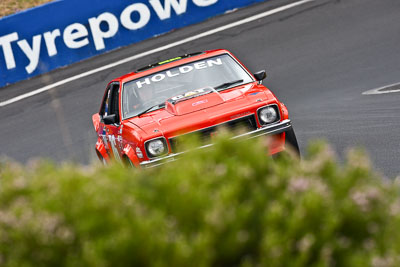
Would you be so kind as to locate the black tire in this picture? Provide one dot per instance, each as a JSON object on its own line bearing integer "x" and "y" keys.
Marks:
{"x": 292, "y": 141}
{"x": 101, "y": 158}
{"x": 128, "y": 163}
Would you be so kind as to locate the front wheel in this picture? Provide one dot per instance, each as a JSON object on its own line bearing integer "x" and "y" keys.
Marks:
{"x": 128, "y": 163}
{"x": 101, "y": 158}
{"x": 292, "y": 141}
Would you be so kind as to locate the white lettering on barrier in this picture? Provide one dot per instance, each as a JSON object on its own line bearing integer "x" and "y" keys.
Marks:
{"x": 73, "y": 33}
{"x": 98, "y": 34}
{"x": 32, "y": 53}
{"x": 165, "y": 12}
{"x": 76, "y": 35}
{"x": 203, "y": 3}
{"x": 50, "y": 40}
{"x": 5, "y": 43}
{"x": 144, "y": 16}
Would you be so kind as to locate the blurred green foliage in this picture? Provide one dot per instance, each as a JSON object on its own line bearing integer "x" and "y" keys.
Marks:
{"x": 229, "y": 205}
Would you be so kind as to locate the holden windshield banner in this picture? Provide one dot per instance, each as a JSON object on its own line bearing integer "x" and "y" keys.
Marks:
{"x": 63, "y": 32}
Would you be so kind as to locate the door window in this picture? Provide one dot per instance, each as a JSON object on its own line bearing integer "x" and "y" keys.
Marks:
{"x": 110, "y": 104}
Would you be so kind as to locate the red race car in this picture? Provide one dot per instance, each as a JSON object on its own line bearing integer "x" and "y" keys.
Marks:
{"x": 144, "y": 113}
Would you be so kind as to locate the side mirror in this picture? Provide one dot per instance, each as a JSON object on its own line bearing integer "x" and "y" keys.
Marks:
{"x": 261, "y": 75}
{"x": 111, "y": 119}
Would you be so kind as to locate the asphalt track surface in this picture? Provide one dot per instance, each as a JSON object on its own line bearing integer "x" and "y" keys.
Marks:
{"x": 320, "y": 57}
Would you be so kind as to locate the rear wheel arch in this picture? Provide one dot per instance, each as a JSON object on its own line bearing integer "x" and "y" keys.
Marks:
{"x": 101, "y": 158}
{"x": 101, "y": 151}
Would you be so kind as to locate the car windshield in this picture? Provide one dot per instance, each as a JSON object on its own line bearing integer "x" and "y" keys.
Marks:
{"x": 150, "y": 92}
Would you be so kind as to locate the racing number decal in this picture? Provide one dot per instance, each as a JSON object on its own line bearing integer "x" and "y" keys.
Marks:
{"x": 113, "y": 144}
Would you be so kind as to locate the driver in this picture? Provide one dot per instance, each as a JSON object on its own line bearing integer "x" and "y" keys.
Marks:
{"x": 144, "y": 95}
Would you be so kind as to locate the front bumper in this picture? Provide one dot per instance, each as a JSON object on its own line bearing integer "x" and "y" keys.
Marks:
{"x": 276, "y": 128}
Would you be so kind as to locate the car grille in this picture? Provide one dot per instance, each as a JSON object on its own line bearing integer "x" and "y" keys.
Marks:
{"x": 247, "y": 123}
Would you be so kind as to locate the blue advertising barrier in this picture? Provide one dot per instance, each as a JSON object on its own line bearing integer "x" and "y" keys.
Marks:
{"x": 62, "y": 32}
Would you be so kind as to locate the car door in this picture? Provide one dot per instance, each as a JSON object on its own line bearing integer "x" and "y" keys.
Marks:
{"x": 110, "y": 125}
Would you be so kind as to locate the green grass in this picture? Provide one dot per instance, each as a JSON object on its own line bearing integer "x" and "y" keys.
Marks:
{"x": 8, "y": 7}
{"x": 226, "y": 206}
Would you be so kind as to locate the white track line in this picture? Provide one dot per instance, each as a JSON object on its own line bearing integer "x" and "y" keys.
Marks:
{"x": 378, "y": 91}
{"x": 162, "y": 48}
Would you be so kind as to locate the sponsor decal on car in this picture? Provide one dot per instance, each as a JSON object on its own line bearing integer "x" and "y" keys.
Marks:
{"x": 178, "y": 71}
{"x": 191, "y": 94}
{"x": 200, "y": 102}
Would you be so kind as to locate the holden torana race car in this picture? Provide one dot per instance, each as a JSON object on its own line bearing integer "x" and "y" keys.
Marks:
{"x": 144, "y": 113}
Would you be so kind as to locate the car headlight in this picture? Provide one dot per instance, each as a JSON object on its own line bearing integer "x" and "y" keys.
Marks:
{"x": 156, "y": 147}
{"x": 268, "y": 115}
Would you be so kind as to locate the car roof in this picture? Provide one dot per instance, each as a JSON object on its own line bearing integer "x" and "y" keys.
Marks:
{"x": 169, "y": 63}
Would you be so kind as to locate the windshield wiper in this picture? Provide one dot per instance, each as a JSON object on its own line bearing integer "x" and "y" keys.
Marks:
{"x": 155, "y": 107}
{"x": 225, "y": 85}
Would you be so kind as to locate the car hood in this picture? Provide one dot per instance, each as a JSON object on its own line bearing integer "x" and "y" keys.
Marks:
{"x": 202, "y": 111}
{"x": 198, "y": 100}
